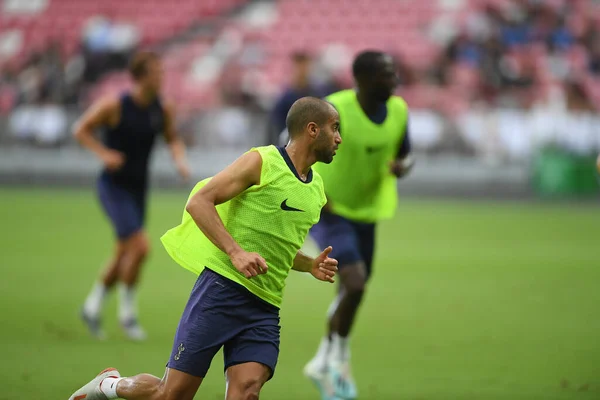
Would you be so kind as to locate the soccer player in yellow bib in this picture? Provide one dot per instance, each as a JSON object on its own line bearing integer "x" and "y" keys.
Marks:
{"x": 361, "y": 190}
{"x": 241, "y": 232}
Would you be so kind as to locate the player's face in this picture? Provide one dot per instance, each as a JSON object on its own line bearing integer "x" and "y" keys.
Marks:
{"x": 385, "y": 80}
{"x": 328, "y": 139}
{"x": 153, "y": 79}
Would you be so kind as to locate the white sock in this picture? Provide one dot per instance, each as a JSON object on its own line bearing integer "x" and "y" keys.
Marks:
{"x": 127, "y": 306}
{"x": 340, "y": 349}
{"x": 95, "y": 300}
{"x": 108, "y": 386}
{"x": 333, "y": 306}
{"x": 320, "y": 359}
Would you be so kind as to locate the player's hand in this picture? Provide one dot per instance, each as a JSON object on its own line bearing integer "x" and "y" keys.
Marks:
{"x": 249, "y": 264}
{"x": 113, "y": 160}
{"x": 598, "y": 163}
{"x": 401, "y": 167}
{"x": 325, "y": 268}
{"x": 184, "y": 170}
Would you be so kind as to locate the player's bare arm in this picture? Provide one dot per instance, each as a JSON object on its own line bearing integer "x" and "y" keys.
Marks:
{"x": 105, "y": 112}
{"x": 322, "y": 267}
{"x": 176, "y": 145}
{"x": 226, "y": 185}
{"x": 598, "y": 163}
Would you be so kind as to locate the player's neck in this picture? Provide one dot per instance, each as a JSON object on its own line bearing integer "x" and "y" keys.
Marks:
{"x": 301, "y": 158}
{"x": 142, "y": 97}
{"x": 368, "y": 105}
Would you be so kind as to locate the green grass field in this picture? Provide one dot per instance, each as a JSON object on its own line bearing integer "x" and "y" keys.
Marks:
{"x": 473, "y": 301}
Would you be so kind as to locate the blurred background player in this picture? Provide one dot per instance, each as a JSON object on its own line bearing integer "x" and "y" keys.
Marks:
{"x": 246, "y": 225}
{"x": 361, "y": 190}
{"x": 130, "y": 124}
{"x": 300, "y": 86}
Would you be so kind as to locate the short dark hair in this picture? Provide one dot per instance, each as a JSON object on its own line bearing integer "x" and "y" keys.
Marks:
{"x": 138, "y": 65}
{"x": 366, "y": 63}
{"x": 304, "y": 111}
{"x": 300, "y": 56}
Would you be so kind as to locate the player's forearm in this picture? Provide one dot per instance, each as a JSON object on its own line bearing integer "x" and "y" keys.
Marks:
{"x": 302, "y": 262}
{"x": 177, "y": 151}
{"x": 205, "y": 215}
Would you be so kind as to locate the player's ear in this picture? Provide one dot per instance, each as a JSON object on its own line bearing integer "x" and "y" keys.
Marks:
{"x": 313, "y": 129}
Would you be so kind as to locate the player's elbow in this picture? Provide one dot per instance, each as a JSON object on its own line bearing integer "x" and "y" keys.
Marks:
{"x": 196, "y": 204}
{"x": 78, "y": 131}
{"x": 191, "y": 206}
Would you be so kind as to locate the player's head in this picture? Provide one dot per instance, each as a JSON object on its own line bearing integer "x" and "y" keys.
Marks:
{"x": 301, "y": 62}
{"x": 146, "y": 70}
{"x": 375, "y": 74}
{"x": 317, "y": 122}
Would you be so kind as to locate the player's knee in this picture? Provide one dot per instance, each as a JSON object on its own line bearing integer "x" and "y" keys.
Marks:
{"x": 142, "y": 246}
{"x": 246, "y": 389}
{"x": 169, "y": 393}
{"x": 355, "y": 289}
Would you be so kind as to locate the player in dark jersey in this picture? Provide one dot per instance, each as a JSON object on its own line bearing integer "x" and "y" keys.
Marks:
{"x": 361, "y": 188}
{"x": 130, "y": 124}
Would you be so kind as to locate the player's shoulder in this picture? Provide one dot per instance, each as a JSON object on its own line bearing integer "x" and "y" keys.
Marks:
{"x": 110, "y": 102}
{"x": 264, "y": 151}
{"x": 398, "y": 100}
{"x": 341, "y": 98}
{"x": 398, "y": 104}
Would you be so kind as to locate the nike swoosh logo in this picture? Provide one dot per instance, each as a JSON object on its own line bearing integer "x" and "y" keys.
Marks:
{"x": 372, "y": 149}
{"x": 285, "y": 207}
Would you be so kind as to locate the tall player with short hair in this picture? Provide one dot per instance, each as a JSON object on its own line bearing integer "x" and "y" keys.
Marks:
{"x": 241, "y": 232}
{"x": 361, "y": 190}
{"x": 130, "y": 124}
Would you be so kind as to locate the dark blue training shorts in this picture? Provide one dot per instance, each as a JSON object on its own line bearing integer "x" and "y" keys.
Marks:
{"x": 125, "y": 207}
{"x": 222, "y": 313}
{"x": 351, "y": 241}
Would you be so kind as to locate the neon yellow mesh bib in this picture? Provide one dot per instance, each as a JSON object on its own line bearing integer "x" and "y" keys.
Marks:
{"x": 271, "y": 219}
{"x": 359, "y": 182}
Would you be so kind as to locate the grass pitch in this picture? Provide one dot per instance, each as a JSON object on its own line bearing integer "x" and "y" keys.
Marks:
{"x": 473, "y": 301}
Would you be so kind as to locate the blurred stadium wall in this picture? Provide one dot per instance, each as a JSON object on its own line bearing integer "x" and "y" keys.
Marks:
{"x": 504, "y": 94}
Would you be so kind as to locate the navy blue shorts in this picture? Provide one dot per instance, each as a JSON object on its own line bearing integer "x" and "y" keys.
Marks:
{"x": 125, "y": 207}
{"x": 222, "y": 313}
{"x": 351, "y": 241}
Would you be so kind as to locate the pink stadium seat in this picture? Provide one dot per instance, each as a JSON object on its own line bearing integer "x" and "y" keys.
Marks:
{"x": 64, "y": 19}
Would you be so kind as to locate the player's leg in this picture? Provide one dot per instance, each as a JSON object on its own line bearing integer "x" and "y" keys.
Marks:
{"x": 199, "y": 336}
{"x": 94, "y": 302}
{"x": 136, "y": 249}
{"x": 250, "y": 357}
{"x": 244, "y": 381}
{"x": 344, "y": 237}
{"x": 175, "y": 385}
{"x": 111, "y": 199}
{"x": 353, "y": 282}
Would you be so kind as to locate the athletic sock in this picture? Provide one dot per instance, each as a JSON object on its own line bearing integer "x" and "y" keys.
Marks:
{"x": 95, "y": 300}
{"x": 340, "y": 349}
{"x": 108, "y": 386}
{"x": 127, "y": 304}
{"x": 320, "y": 358}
